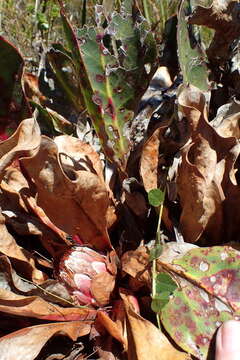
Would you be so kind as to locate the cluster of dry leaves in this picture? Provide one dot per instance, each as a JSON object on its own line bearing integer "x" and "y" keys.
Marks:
{"x": 54, "y": 194}
{"x": 53, "y": 188}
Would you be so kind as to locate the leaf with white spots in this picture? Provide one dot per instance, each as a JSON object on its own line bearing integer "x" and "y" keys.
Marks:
{"x": 191, "y": 317}
{"x": 208, "y": 294}
{"x": 110, "y": 65}
{"x": 217, "y": 270}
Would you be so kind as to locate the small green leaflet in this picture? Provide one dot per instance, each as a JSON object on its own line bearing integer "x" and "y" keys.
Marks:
{"x": 156, "y": 197}
{"x": 155, "y": 252}
{"x": 165, "y": 283}
{"x": 159, "y": 301}
{"x": 164, "y": 287}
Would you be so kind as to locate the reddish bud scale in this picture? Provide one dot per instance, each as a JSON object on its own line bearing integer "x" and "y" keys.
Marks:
{"x": 78, "y": 268}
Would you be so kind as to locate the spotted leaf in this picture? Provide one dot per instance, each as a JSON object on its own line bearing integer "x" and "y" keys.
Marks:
{"x": 113, "y": 66}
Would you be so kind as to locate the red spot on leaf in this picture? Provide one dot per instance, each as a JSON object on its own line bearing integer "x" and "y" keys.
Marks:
{"x": 207, "y": 324}
{"x": 110, "y": 109}
{"x": 175, "y": 319}
{"x": 99, "y": 37}
{"x": 195, "y": 260}
{"x": 184, "y": 309}
{"x": 177, "y": 301}
{"x": 178, "y": 336}
{"x": 202, "y": 340}
{"x": 100, "y": 78}
{"x": 231, "y": 260}
{"x": 190, "y": 324}
{"x": 97, "y": 99}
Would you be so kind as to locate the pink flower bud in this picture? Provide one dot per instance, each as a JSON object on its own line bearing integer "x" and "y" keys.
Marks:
{"x": 89, "y": 276}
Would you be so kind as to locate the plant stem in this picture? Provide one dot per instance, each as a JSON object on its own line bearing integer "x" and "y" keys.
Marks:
{"x": 84, "y": 12}
{"x": 158, "y": 235}
{"x": 154, "y": 263}
{"x": 154, "y": 274}
{"x": 51, "y": 294}
{"x": 146, "y": 12}
{"x": 162, "y": 11}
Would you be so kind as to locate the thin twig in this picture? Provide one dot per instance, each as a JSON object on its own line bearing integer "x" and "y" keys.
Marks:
{"x": 50, "y": 293}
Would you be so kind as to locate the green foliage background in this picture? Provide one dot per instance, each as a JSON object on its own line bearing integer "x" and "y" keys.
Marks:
{"x": 32, "y": 24}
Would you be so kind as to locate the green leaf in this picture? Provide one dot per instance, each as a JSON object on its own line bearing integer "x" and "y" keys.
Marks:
{"x": 155, "y": 252}
{"x": 216, "y": 269}
{"x": 52, "y": 123}
{"x": 109, "y": 65}
{"x": 192, "y": 58}
{"x": 164, "y": 286}
{"x": 63, "y": 68}
{"x": 159, "y": 301}
{"x": 108, "y": 6}
{"x": 164, "y": 283}
{"x": 191, "y": 318}
{"x": 11, "y": 66}
{"x": 42, "y": 21}
{"x": 208, "y": 294}
{"x": 156, "y": 197}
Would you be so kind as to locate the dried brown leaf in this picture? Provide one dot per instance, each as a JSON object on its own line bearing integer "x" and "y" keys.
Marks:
{"x": 23, "y": 142}
{"x": 23, "y": 260}
{"x": 70, "y": 191}
{"x": 113, "y": 328}
{"x": 136, "y": 264}
{"x": 207, "y": 165}
{"x": 20, "y": 210}
{"x": 100, "y": 293}
{"x": 202, "y": 200}
{"x": 36, "y": 307}
{"x": 222, "y": 16}
{"x": 144, "y": 338}
{"x": 150, "y": 161}
{"x": 27, "y": 343}
{"x": 14, "y": 186}
{"x": 227, "y": 120}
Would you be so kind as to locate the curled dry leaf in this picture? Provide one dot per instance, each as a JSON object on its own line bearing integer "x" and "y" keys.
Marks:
{"x": 222, "y": 16}
{"x": 22, "y": 259}
{"x": 157, "y": 150}
{"x": 114, "y": 328}
{"x": 36, "y": 307}
{"x": 19, "y": 209}
{"x": 50, "y": 290}
{"x": 15, "y": 187}
{"x": 136, "y": 264}
{"x": 206, "y": 163}
{"x": 144, "y": 338}
{"x": 10, "y": 279}
{"x": 109, "y": 332}
{"x": 28, "y": 342}
{"x": 70, "y": 188}
{"x": 150, "y": 162}
{"x": 23, "y": 142}
{"x": 227, "y": 120}
{"x": 201, "y": 201}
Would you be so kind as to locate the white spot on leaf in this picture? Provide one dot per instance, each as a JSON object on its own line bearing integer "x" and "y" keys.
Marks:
{"x": 223, "y": 255}
{"x": 213, "y": 279}
{"x": 203, "y": 266}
